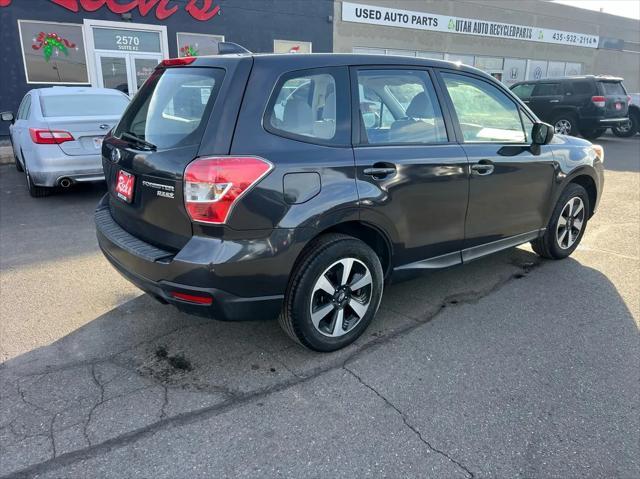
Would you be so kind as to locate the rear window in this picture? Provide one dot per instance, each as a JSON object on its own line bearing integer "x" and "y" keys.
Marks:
{"x": 173, "y": 107}
{"x": 612, "y": 88}
{"x": 583, "y": 88}
{"x": 83, "y": 105}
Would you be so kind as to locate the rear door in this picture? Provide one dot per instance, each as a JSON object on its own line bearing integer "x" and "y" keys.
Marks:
{"x": 412, "y": 176}
{"x": 160, "y": 133}
{"x": 616, "y": 101}
{"x": 510, "y": 184}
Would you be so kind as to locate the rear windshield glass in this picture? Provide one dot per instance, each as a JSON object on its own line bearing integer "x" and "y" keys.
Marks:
{"x": 173, "y": 106}
{"x": 83, "y": 105}
{"x": 612, "y": 88}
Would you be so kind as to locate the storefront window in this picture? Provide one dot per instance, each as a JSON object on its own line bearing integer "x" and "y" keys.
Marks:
{"x": 196, "y": 44}
{"x": 289, "y": 46}
{"x": 53, "y": 52}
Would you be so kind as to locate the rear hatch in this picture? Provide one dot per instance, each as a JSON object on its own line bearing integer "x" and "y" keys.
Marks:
{"x": 616, "y": 100}
{"x": 87, "y": 117}
{"x": 180, "y": 113}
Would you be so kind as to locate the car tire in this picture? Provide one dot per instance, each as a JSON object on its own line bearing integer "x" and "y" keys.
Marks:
{"x": 565, "y": 124}
{"x": 318, "y": 298}
{"x": 593, "y": 134}
{"x": 18, "y": 165}
{"x": 34, "y": 190}
{"x": 630, "y": 129}
{"x": 562, "y": 235}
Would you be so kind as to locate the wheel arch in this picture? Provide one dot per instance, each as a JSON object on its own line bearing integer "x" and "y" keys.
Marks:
{"x": 589, "y": 184}
{"x": 369, "y": 234}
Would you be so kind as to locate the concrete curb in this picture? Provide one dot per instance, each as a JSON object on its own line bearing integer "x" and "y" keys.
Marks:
{"x": 6, "y": 155}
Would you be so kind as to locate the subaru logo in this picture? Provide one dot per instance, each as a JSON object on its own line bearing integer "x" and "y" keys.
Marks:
{"x": 104, "y": 126}
{"x": 115, "y": 155}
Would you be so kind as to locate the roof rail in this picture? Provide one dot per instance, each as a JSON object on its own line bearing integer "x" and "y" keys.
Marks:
{"x": 228, "y": 48}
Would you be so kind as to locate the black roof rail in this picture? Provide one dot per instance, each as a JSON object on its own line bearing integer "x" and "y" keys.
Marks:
{"x": 228, "y": 48}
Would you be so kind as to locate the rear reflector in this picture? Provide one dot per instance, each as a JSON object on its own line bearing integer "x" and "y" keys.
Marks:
{"x": 213, "y": 185}
{"x": 174, "y": 62}
{"x": 49, "y": 137}
{"x": 598, "y": 101}
{"x": 192, "y": 298}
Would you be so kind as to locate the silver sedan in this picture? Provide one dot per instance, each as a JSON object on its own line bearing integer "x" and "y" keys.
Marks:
{"x": 57, "y": 134}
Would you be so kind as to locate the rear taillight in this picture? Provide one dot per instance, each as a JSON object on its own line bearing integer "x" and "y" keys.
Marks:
{"x": 629, "y": 99}
{"x": 174, "y": 62}
{"x": 213, "y": 185}
{"x": 49, "y": 137}
{"x": 598, "y": 101}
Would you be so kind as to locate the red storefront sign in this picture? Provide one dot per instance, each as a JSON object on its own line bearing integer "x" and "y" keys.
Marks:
{"x": 202, "y": 10}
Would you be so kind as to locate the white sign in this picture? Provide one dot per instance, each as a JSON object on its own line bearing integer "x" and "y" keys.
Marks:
{"x": 393, "y": 17}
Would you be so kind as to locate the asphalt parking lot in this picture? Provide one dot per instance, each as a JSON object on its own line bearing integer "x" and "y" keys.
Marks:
{"x": 509, "y": 366}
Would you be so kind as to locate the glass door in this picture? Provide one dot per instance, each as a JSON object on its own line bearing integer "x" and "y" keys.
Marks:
{"x": 114, "y": 71}
{"x": 142, "y": 67}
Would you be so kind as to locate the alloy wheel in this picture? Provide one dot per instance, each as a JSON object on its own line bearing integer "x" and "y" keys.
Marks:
{"x": 341, "y": 297}
{"x": 570, "y": 223}
{"x": 563, "y": 127}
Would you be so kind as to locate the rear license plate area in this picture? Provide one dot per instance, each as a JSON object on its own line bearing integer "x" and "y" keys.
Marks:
{"x": 124, "y": 186}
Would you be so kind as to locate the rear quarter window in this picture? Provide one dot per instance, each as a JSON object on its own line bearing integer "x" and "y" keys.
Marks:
{"x": 311, "y": 106}
{"x": 173, "y": 106}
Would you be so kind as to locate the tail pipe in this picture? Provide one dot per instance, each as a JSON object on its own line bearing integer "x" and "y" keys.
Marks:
{"x": 65, "y": 182}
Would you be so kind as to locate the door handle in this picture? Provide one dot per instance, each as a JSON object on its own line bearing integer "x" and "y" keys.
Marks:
{"x": 554, "y": 101}
{"x": 483, "y": 168}
{"x": 378, "y": 172}
{"x": 525, "y": 101}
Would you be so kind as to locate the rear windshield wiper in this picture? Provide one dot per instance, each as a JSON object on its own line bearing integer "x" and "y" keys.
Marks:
{"x": 139, "y": 141}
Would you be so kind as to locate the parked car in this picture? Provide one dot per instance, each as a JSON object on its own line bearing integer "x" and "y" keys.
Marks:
{"x": 632, "y": 126}
{"x": 585, "y": 105}
{"x": 226, "y": 206}
{"x": 57, "y": 134}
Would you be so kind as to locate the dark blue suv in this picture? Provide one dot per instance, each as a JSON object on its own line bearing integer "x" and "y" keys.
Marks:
{"x": 294, "y": 186}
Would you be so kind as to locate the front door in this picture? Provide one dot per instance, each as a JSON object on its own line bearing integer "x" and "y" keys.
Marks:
{"x": 412, "y": 177}
{"x": 545, "y": 99}
{"x": 510, "y": 183}
{"x": 125, "y": 71}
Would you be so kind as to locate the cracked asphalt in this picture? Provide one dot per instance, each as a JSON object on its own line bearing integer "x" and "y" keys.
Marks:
{"x": 509, "y": 366}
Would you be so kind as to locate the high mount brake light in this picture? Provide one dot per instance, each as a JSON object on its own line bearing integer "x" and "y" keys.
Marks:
{"x": 213, "y": 185}
{"x": 598, "y": 101}
{"x": 174, "y": 62}
{"x": 43, "y": 136}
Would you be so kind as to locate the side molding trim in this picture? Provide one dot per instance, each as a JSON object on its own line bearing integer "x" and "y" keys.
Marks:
{"x": 479, "y": 251}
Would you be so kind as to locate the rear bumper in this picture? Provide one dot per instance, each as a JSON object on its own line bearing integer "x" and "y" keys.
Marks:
{"x": 195, "y": 270}
{"x": 49, "y": 164}
{"x": 602, "y": 122}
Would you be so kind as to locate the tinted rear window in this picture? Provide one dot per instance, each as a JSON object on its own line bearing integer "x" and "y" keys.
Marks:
{"x": 612, "y": 88}
{"x": 173, "y": 106}
{"x": 83, "y": 105}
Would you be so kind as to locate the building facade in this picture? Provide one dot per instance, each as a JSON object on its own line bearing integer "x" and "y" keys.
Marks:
{"x": 512, "y": 40}
{"x": 117, "y": 43}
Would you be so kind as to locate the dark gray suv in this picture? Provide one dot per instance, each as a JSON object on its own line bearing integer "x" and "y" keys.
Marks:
{"x": 585, "y": 105}
{"x": 295, "y": 186}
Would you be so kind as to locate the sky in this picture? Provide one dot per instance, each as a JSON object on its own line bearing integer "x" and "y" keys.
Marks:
{"x": 623, "y": 8}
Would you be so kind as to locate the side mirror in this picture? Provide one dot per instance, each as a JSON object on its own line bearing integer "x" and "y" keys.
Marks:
{"x": 7, "y": 116}
{"x": 541, "y": 133}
